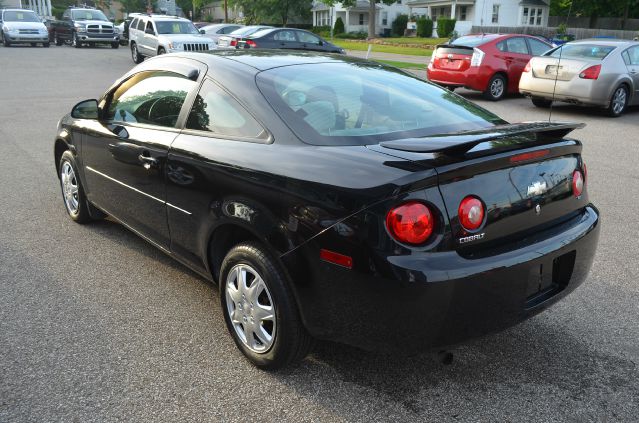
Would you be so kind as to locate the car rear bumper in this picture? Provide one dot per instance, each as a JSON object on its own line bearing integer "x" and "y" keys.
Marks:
{"x": 474, "y": 78}
{"x": 577, "y": 90}
{"x": 426, "y": 300}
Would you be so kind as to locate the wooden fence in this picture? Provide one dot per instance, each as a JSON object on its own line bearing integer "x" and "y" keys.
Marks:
{"x": 579, "y": 33}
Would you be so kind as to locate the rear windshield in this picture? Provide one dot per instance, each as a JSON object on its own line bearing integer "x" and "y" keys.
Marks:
{"x": 20, "y": 16}
{"x": 582, "y": 51}
{"x": 473, "y": 40}
{"x": 176, "y": 27}
{"x": 361, "y": 103}
{"x": 88, "y": 15}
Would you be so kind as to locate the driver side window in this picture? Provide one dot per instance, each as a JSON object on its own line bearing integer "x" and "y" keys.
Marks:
{"x": 152, "y": 98}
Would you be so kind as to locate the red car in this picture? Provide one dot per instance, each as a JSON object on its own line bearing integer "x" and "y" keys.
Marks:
{"x": 490, "y": 63}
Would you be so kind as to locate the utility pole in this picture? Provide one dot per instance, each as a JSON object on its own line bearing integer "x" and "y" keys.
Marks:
{"x": 226, "y": 11}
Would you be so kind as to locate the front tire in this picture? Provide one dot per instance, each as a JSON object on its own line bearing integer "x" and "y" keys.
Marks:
{"x": 135, "y": 55}
{"x": 57, "y": 41}
{"x": 618, "y": 102}
{"x": 161, "y": 51}
{"x": 259, "y": 308}
{"x": 75, "y": 42}
{"x": 541, "y": 102}
{"x": 46, "y": 45}
{"x": 496, "y": 89}
{"x": 6, "y": 42}
{"x": 75, "y": 200}
{"x": 115, "y": 44}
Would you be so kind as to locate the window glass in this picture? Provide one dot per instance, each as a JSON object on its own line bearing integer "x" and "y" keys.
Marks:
{"x": 474, "y": 40}
{"x": 308, "y": 38}
{"x": 149, "y": 25}
{"x": 229, "y": 29}
{"x": 582, "y": 51}
{"x": 88, "y": 15}
{"x": 633, "y": 56}
{"x": 357, "y": 104}
{"x": 284, "y": 36}
{"x": 214, "y": 110}
{"x": 13, "y": 16}
{"x": 141, "y": 25}
{"x": 176, "y": 27}
{"x": 501, "y": 46}
{"x": 134, "y": 23}
{"x": 495, "y": 17}
{"x": 538, "y": 48}
{"x": 517, "y": 45}
{"x": 153, "y": 98}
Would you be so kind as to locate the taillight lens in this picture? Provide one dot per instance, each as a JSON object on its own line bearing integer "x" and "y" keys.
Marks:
{"x": 528, "y": 67}
{"x": 471, "y": 213}
{"x": 410, "y": 223}
{"x": 577, "y": 183}
{"x": 591, "y": 73}
{"x": 251, "y": 43}
{"x": 233, "y": 43}
{"x": 477, "y": 58}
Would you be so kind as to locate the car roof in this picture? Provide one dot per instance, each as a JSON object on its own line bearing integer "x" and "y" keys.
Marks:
{"x": 266, "y": 59}
{"x": 604, "y": 42}
{"x": 166, "y": 18}
{"x": 16, "y": 10}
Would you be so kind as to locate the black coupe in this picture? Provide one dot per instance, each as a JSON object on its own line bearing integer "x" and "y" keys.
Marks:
{"x": 334, "y": 198}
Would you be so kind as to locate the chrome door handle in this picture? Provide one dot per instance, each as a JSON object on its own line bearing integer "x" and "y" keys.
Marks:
{"x": 148, "y": 162}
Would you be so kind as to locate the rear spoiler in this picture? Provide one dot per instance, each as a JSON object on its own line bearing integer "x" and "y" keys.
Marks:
{"x": 459, "y": 143}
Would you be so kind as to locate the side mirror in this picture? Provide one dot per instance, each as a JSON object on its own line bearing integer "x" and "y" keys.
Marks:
{"x": 87, "y": 109}
{"x": 202, "y": 31}
{"x": 149, "y": 31}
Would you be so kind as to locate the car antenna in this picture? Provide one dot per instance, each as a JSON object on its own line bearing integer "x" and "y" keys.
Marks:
{"x": 561, "y": 50}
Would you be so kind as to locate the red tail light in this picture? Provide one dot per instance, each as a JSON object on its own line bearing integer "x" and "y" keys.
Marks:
{"x": 410, "y": 223}
{"x": 471, "y": 213}
{"x": 577, "y": 183}
{"x": 591, "y": 73}
{"x": 233, "y": 42}
{"x": 251, "y": 43}
{"x": 528, "y": 66}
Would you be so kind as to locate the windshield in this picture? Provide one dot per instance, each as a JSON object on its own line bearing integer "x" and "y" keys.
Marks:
{"x": 248, "y": 30}
{"x": 88, "y": 15}
{"x": 582, "y": 51}
{"x": 473, "y": 40}
{"x": 362, "y": 103}
{"x": 19, "y": 16}
{"x": 176, "y": 27}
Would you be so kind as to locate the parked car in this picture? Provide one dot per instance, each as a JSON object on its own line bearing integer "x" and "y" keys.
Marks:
{"x": 22, "y": 26}
{"x": 215, "y": 31}
{"x": 230, "y": 40}
{"x": 333, "y": 198}
{"x": 289, "y": 39}
{"x": 490, "y": 63}
{"x": 80, "y": 26}
{"x": 602, "y": 73}
{"x": 152, "y": 35}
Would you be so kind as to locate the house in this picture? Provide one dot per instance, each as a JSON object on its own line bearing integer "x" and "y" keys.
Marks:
{"x": 355, "y": 18}
{"x": 487, "y": 13}
{"x": 215, "y": 10}
{"x": 41, "y": 7}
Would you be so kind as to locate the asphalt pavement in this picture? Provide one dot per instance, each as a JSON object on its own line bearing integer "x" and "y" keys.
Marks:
{"x": 98, "y": 325}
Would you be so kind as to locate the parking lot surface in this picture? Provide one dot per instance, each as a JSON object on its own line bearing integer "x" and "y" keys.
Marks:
{"x": 98, "y": 325}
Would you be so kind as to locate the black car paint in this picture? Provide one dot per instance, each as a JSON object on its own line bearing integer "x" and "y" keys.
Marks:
{"x": 266, "y": 40}
{"x": 221, "y": 191}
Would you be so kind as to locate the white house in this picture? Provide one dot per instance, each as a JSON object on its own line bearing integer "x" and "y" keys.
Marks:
{"x": 491, "y": 13}
{"x": 356, "y": 18}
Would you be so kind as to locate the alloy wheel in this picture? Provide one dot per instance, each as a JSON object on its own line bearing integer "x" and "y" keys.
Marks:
{"x": 69, "y": 188}
{"x": 250, "y": 307}
{"x": 619, "y": 99}
{"x": 497, "y": 87}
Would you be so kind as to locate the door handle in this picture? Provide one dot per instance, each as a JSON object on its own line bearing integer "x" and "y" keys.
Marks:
{"x": 147, "y": 161}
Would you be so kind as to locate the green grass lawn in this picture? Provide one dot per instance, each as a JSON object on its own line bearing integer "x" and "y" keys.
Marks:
{"x": 415, "y": 40}
{"x": 379, "y": 48}
{"x": 402, "y": 65}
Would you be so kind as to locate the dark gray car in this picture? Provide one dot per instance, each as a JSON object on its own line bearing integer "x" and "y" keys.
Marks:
{"x": 288, "y": 38}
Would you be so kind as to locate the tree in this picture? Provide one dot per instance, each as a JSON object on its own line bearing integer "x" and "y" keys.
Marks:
{"x": 281, "y": 11}
{"x": 339, "y": 26}
{"x": 130, "y": 6}
{"x": 371, "y": 10}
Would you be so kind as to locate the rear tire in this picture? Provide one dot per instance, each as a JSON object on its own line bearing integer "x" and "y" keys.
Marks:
{"x": 257, "y": 300}
{"x": 57, "y": 41}
{"x": 34, "y": 44}
{"x": 541, "y": 102}
{"x": 46, "y": 45}
{"x": 135, "y": 55}
{"x": 618, "y": 101}
{"x": 496, "y": 89}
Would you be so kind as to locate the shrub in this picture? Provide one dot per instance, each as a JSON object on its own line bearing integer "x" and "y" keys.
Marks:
{"x": 424, "y": 27}
{"x": 318, "y": 29}
{"x": 445, "y": 27}
{"x": 399, "y": 25}
{"x": 353, "y": 36}
{"x": 339, "y": 26}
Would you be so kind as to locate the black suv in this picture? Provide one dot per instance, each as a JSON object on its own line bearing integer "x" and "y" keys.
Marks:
{"x": 81, "y": 26}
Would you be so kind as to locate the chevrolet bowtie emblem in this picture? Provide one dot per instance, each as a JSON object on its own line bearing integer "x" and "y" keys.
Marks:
{"x": 537, "y": 188}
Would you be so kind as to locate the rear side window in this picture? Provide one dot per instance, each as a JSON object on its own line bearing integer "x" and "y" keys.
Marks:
{"x": 284, "y": 36}
{"x": 214, "y": 110}
{"x": 631, "y": 56}
{"x": 517, "y": 45}
{"x": 141, "y": 25}
{"x": 583, "y": 51}
{"x": 134, "y": 23}
{"x": 151, "y": 98}
{"x": 537, "y": 47}
{"x": 360, "y": 103}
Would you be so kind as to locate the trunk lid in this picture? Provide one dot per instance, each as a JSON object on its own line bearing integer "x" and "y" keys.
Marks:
{"x": 452, "y": 58}
{"x": 523, "y": 179}
{"x": 550, "y": 67}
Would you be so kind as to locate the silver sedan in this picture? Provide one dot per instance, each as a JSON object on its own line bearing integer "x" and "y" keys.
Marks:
{"x": 215, "y": 31}
{"x": 603, "y": 73}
